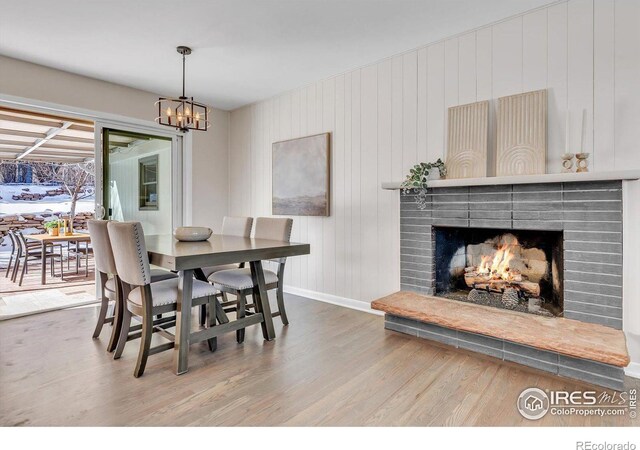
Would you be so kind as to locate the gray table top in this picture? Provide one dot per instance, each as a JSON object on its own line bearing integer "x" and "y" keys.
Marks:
{"x": 165, "y": 251}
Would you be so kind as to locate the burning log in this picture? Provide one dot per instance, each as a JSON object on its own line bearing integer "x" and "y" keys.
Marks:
{"x": 490, "y": 282}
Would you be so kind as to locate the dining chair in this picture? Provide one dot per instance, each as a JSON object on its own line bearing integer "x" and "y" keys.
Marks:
{"x": 145, "y": 299}
{"x": 231, "y": 226}
{"x": 239, "y": 282}
{"x": 12, "y": 259}
{"x": 30, "y": 253}
{"x": 16, "y": 253}
{"x": 109, "y": 288}
{"x": 79, "y": 252}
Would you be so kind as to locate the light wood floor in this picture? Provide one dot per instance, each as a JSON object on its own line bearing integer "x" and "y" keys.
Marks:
{"x": 331, "y": 366}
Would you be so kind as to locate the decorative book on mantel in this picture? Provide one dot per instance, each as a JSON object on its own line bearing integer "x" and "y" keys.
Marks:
{"x": 522, "y": 134}
{"x": 468, "y": 134}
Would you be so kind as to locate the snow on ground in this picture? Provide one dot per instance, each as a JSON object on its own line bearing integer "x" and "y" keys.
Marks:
{"x": 55, "y": 203}
{"x": 84, "y": 205}
{"x": 45, "y": 207}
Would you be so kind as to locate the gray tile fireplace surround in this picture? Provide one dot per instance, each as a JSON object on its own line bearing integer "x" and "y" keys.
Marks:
{"x": 590, "y": 216}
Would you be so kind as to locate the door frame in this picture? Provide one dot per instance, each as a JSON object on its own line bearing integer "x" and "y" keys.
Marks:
{"x": 177, "y": 158}
{"x": 184, "y": 146}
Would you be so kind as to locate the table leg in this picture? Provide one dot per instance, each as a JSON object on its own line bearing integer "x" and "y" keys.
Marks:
{"x": 183, "y": 322}
{"x": 43, "y": 276}
{"x": 262, "y": 300}
{"x": 202, "y": 311}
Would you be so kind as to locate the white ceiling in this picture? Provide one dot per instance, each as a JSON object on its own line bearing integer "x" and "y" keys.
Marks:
{"x": 244, "y": 50}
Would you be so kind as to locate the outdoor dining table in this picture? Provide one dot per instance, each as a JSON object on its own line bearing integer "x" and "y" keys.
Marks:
{"x": 187, "y": 258}
{"x": 46, "y": 239}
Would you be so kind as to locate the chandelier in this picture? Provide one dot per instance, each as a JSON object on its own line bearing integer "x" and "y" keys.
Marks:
{"x": 182, "y": 113}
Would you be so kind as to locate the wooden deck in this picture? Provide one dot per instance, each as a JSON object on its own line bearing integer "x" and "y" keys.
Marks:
{"x": 331, "y": 366}
{"x": 32, "y": 282}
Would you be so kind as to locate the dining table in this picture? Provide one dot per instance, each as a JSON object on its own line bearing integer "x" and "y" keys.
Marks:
{"x": 188, "y": 259}
{"x": 46, "y": 239}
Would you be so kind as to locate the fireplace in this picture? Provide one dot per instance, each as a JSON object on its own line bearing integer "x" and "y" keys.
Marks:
{"x": 520, "y": 270}
{"x": 561, "y": 242}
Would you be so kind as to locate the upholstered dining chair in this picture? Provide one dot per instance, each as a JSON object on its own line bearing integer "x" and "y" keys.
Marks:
{"x": 231, "y": 226}
{"x": 145, "y": 299}
{"x": 239, "y": 281}
{"x": 110, "y": 290}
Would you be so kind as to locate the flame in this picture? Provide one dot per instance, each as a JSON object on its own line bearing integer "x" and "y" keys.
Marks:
{"x": 498, "y": 266}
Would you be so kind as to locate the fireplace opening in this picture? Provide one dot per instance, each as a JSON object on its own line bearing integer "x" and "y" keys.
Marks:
{"x": 519, "y": 270}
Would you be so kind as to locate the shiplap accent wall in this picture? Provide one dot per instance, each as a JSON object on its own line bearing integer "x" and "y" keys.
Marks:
{"x": 387, "y": 116}
{"x": 125, "y": 196}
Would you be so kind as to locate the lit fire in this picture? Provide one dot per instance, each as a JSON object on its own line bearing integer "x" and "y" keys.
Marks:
{"x": 498, "y": 266}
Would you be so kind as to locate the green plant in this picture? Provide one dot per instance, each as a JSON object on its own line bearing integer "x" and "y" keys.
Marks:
{"x": 417, "y": 180}
{"x": 51, "y": 224}
{"x": 418, "y": 175}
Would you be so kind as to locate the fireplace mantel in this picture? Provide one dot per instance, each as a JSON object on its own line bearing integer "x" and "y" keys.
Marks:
{"x": 528, "y": 179}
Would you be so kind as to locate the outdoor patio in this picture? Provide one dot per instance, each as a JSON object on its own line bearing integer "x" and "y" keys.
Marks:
{"x": 33, "y": 297}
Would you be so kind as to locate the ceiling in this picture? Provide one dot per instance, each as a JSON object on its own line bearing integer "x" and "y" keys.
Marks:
{"x": 41, "y": 137}
{"x": 244, "y": 50}
{"x": 31, "y": 136}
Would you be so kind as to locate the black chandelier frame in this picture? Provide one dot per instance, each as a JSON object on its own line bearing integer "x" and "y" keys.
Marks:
{"x": 183, "y": 113}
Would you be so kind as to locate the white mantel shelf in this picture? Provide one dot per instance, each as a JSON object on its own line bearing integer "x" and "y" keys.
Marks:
{"x": 527, "y": 179}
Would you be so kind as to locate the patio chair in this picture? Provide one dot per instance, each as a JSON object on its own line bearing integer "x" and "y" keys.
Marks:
{"x": 30, "y": 253}
{"x": 76, "y": 249}
{"x": 12, "y": 266}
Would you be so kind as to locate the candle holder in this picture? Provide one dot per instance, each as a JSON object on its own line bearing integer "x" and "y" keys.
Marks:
{"x": 567, "y": 162}
{"x": 583, "y": 164}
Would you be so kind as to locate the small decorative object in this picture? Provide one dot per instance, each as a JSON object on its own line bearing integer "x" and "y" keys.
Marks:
{"x": 567, "y": 162}
{"x": 418, "y": 178}
{"x": 66, "y": 228}
{"x": 301, "y": 176}
{"x": 467, "y": 140}
{"x": 522, "y": 134}
{"x": 182, "y": 113}
{"x": 52, "y": 227}
{"x": 583, "y": 164}
{"x": 192, "y": 234}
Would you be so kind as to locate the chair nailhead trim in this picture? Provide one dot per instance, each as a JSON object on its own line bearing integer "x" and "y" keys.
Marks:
{"x": 136, "y": 232}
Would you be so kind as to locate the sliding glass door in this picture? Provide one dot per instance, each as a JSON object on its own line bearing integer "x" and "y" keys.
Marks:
{"x": 141, "y": 179}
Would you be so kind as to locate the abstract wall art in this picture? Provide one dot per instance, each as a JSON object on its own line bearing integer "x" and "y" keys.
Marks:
{"x": 301, "y": 176}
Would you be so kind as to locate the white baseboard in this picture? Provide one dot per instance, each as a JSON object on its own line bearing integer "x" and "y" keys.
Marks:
{"x": 333, "y": 299}
{"x": 632, "y": 370}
